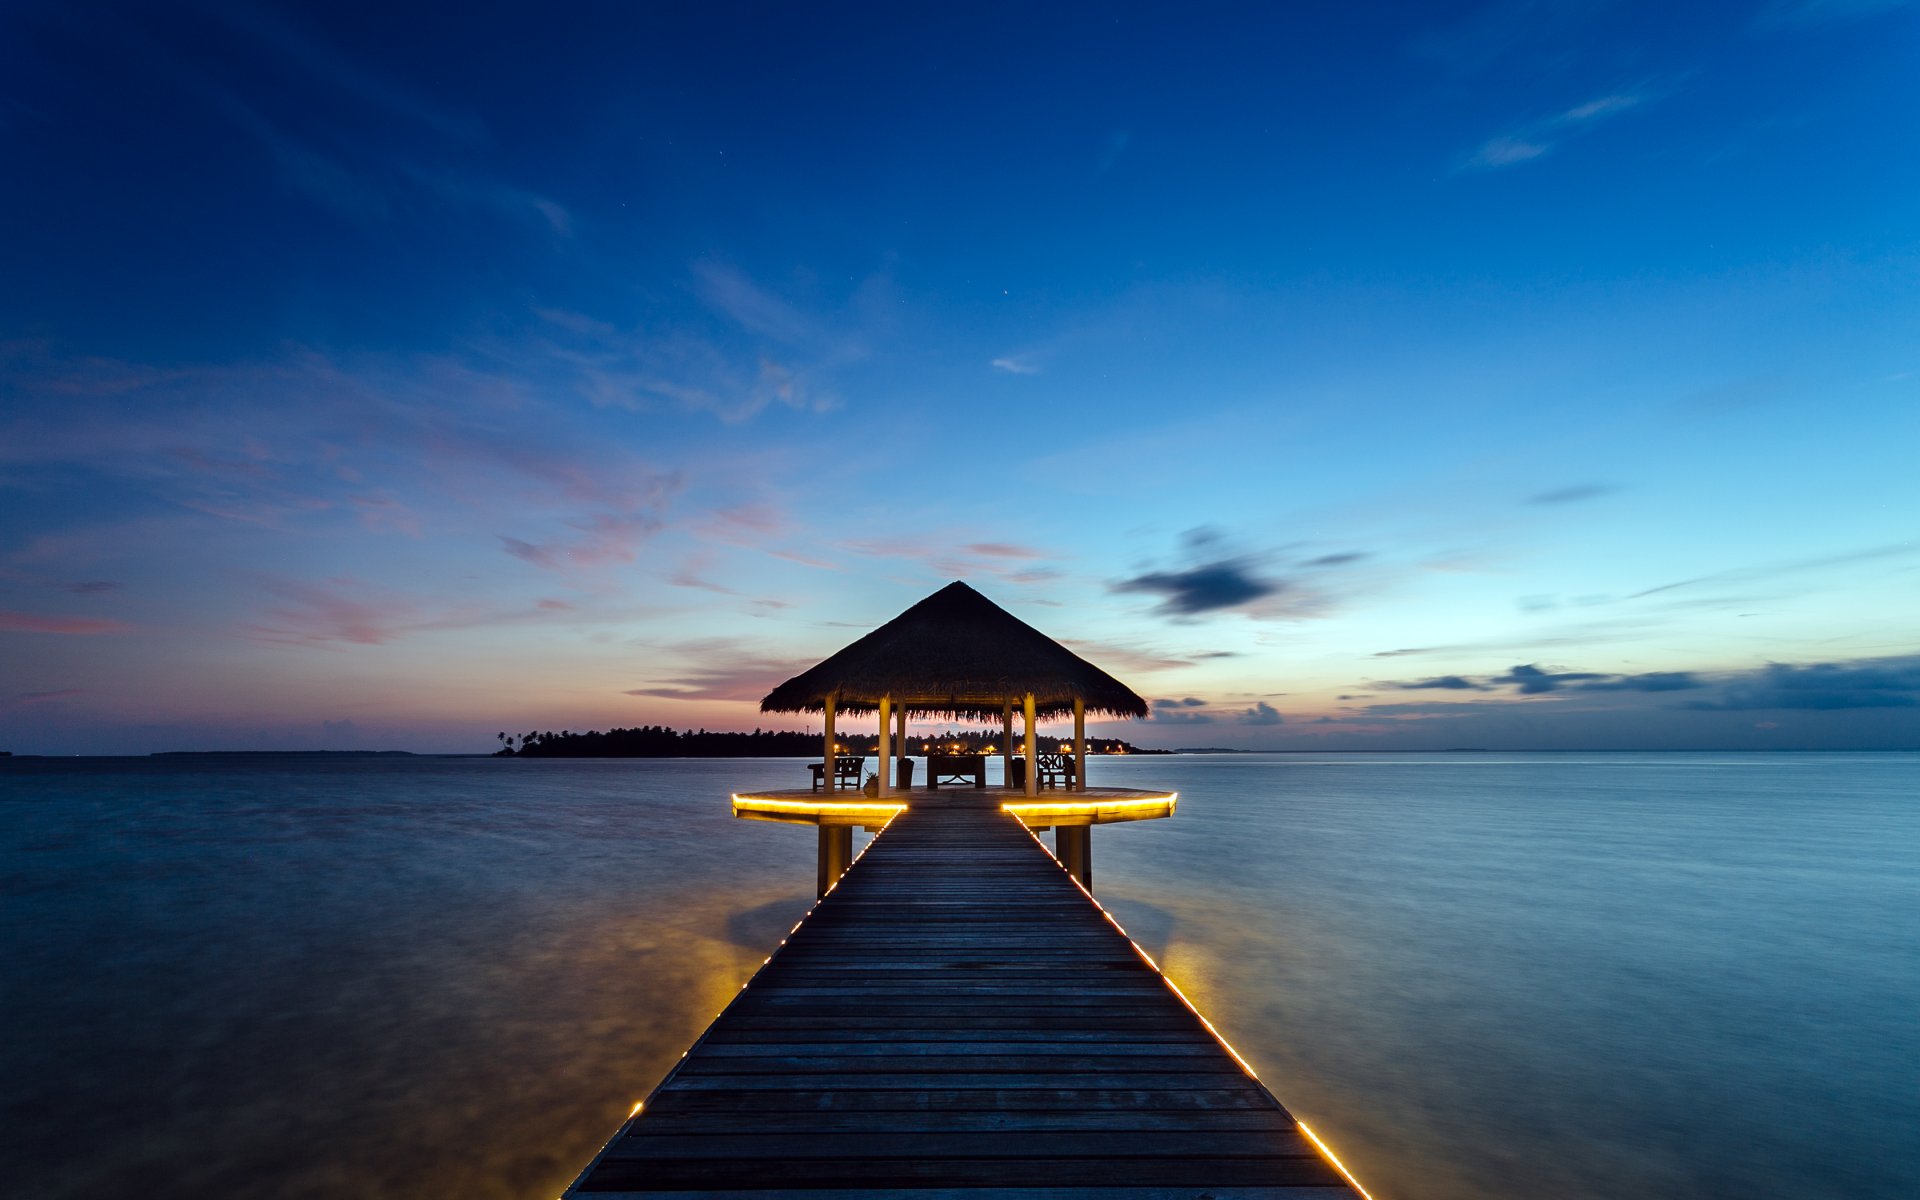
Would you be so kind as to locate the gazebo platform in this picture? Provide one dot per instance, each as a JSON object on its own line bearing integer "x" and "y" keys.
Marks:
{"x": 1094, "y": 806}
{"x": 1070, "y": 814}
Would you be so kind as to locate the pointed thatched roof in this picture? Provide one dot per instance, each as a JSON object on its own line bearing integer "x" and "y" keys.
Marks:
{"x": 956, "y": 652}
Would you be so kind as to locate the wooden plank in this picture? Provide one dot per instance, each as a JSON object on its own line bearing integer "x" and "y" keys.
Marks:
{"x": 1013, "y": 1142}
{"x": 1039, "y": 1100}
{"x": 673, "y": 1121}
{"x": 1259, "y": 1192}
{"x": 1039, "y": 1168}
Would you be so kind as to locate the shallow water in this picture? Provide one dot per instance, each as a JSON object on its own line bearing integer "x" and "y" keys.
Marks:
{"x": 1676, "y": 975}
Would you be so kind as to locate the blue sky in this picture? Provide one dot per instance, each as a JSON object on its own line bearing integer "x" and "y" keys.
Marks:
{"x": 1385, "y": 376}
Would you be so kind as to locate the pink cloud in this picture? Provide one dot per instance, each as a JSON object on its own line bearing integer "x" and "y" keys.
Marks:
{"x": 19, "y": 622}
{"x": 609, "y": 538}
{"x": 314, "y": 614}
{"x": 1003, "y": 550}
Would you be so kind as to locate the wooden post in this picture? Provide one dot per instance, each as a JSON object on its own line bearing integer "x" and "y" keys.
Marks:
{"x": 900, "y": 752}
{"x": 836, "y": 852}
{"x": 1006, "y": 743}
{"x": 885, "y": 748}
{"x": 1079, "y": 744}
{"x": 1033, "y": 763}
{"x": 831, "y": 760}
{"x": 1073, "y": 846}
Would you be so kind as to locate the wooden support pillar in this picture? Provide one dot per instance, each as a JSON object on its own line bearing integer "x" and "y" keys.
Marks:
{"x": 1073, "y": 846}
{"x": 900, "y": 752}
{"x": 884, "y": 751}
{"x": 831, "y": 780}
{"x": 1006, "y": 743}
{"x": 836, "y": 852}
{"x": 1033, "y": 764}
{"x": 1079, "y": 744}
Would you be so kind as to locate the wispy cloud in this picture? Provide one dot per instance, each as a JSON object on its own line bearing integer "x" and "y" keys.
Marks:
{"x": 724, "y": 671}
{"x": 1003, "y": 550}
{"x": 949, "y": 555}
{"x": 1537, "y": 138}
{"x": 1016, "y": 364}
{"x": 1774, "y": 570}
{"x": 383, "y": 156}
{"x": 753, "y": 307}
{"x": 336, "y": 611}
{"x": 752, "y": 349}
{"x": 601, "y": 539}
{"x": 21, "y": 700}
{"x": 20, "y": 622}
{"x": 1570, "y": 495}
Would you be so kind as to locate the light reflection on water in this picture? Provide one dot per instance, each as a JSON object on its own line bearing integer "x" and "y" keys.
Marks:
{"x": 1567, "y": 975}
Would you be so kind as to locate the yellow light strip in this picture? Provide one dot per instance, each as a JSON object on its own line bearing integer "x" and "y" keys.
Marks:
{"x": 1332, "y": 1158}
{"x": 1200, "y": 1016}
{"x": 816, "y": 808}
{"x": 1091, "y": 808}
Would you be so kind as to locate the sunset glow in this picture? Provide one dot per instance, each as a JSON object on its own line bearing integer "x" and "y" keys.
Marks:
{"x": 1339, "y": 382}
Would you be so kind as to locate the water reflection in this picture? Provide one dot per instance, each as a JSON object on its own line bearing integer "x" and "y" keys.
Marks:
{"x": 1578, "y": 976}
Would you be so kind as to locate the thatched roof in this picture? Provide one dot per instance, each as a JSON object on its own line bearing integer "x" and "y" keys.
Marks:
{"x": 956, "y": 652}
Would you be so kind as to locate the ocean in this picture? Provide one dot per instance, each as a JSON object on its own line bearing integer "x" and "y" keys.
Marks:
{"x": 1475, "y": 975}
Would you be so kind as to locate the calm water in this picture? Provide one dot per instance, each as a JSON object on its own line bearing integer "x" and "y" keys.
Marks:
{"x": 1574, "y": 976}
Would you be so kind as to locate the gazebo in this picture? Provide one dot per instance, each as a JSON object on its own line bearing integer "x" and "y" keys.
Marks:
{"x": 957, "y": 654}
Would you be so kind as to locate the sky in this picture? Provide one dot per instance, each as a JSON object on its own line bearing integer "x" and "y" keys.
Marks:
{"x": 1529, "y": 375}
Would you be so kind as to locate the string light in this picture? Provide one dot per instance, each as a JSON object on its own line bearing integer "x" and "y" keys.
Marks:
{"x": 1332, "y": 1158}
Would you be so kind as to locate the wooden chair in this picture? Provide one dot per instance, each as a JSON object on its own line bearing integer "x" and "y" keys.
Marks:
{"x": 1056, "y": 770}
{"x": 846, "y": 771}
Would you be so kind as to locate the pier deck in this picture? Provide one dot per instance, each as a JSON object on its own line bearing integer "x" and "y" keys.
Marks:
{"x": 958, "y": 1018}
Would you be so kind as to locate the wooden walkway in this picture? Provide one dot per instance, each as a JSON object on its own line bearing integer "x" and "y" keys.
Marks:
{"x": 958, "y": 1018}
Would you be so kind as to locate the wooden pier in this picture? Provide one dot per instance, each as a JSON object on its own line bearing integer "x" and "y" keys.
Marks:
{"x": 958, "y": 1017}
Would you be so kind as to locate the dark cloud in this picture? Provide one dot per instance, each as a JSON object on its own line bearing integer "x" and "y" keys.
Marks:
{"x": 1189, "y": 702}
{"x": 1209, "y": 587}
{"x": 93, "y": 587}
{"x": 1219, "y": 654}
{"x": 1180, "y": 716}
{"x": 1568, "y": 495}
{"x": 339, "y": 733}
{"x": 1822, "y": 687}
{"x": 1261, "y": 713}
{"x": 1334, "y": 560}
{"x": 1532, "y": 681}
{"x": 1452, "y": 682}
{"x": 1652, "y": 681}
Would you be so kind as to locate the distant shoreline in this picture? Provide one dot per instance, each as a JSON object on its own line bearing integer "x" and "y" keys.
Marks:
{"x": 285, "y": 754}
